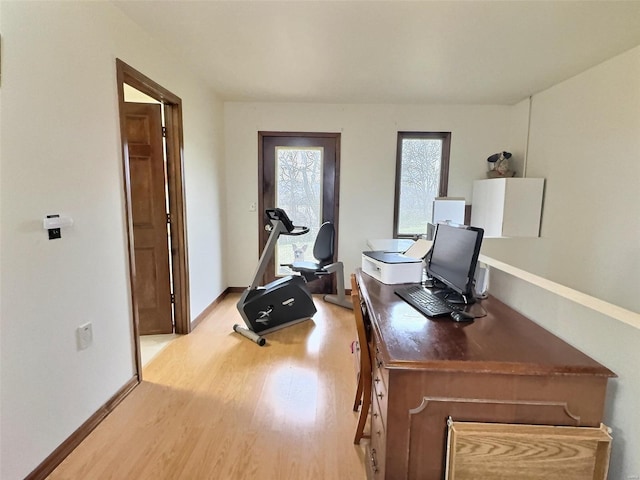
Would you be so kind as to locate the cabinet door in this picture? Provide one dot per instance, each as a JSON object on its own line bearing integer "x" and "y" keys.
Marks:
{"x": 487, "y": 209}
{"x": 523, "y": 204}
{"x": 507, "y": 207}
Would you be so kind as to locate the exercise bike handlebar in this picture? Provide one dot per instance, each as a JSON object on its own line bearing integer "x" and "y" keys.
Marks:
{"x": 297, "y": 230}
{"x": 279, "y": 215}
{"x": 281, "y": 224}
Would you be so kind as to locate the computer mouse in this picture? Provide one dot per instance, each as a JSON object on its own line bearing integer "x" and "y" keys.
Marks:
{"x": 459, "y": 316}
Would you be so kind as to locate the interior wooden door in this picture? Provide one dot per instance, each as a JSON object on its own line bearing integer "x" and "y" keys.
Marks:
{"x": 149, "y": 211}
{"x": 299, "y": 173}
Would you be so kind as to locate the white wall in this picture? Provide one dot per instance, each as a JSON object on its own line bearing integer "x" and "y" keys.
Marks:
{"x": 205, "y": 195}
{"x": 1, "y": 328}
{"x": 607, "y": 340}
{"x": 60, "y": 153}
{"x": 585, "y": 142}
{"x": 367, "y": 168}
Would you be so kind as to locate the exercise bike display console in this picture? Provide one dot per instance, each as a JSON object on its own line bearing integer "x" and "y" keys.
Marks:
{"x": 280, "y": 303}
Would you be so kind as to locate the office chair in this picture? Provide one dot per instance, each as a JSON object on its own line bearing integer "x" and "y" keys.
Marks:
{"x": 323, "y": 251}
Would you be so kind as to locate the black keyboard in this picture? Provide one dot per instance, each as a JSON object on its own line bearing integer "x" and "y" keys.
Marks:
{"x": 425, "y": 302}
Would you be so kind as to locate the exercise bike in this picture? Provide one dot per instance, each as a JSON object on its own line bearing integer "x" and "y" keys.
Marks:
{"x": 280, "y": 303}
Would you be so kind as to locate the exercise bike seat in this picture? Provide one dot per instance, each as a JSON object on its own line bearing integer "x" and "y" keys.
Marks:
{"x": 323, "y": 251}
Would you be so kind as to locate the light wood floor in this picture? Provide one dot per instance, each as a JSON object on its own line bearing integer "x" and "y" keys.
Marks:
{"x": 214, "y": 405}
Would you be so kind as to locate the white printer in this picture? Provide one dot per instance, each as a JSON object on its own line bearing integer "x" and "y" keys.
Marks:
{"x": 392, "y": 267}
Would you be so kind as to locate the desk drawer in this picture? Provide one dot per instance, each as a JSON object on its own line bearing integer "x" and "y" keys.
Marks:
{"x": 377, "y": 452}
{"x": 380, "y": 397}
{"x": 527, "y": 452}
{"x": 378, "y": 416}
{"x": 380, "y": 374}
{"x": 380, "y": 386}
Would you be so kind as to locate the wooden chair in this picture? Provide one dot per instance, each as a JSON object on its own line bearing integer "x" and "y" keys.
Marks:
{"x": 363, "y": 327}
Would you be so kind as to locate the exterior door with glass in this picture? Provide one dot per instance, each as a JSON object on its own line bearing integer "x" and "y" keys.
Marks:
{"x": 298, "y": 172}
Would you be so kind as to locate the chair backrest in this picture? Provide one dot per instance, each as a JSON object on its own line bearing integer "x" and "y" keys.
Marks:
{"x": 363, "y": 327}
{"x": 323, "y": 248}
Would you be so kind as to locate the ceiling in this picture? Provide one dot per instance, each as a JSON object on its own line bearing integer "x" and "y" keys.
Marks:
{"x": 442, "y": 52}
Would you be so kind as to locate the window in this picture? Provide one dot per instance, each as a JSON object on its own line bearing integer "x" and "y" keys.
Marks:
{"x": 298, "y": 190}
{"x": 422, "y": 174}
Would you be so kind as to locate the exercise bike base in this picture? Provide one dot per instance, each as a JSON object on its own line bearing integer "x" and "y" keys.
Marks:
{"x": 281, "y": 326}
{"x": 245, "y": 332}
{"x": 278, "y": 304}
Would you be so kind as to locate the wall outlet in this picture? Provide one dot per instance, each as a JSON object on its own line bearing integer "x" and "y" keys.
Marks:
{"x": 84, "y": 336}
{"x": 252, "y": 207}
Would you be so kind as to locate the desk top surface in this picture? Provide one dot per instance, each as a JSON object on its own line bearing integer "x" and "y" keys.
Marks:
{"x": 502, "y": 342}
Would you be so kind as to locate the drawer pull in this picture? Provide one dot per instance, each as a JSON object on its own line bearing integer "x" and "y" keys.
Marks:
{"x": 377, "y": 380}
{"x": 375, "y": 415}
{"x": 380, "y": 395}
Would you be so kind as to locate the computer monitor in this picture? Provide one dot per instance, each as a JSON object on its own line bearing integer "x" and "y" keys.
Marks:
{"x": 453, "y": 259}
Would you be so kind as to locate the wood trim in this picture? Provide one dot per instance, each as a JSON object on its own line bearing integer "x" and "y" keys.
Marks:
{"x": 467, "y": 214}
{"x": 336, "y": 205}
{"x": 143, "y": 83}
{"x": 212, "y": 306}
{"x": 299, "y": 134}
{"x": 444, "y": 170}
{"x": 561, "y": 408}
{"x": 175, "y": 163}
{"x": 396, "y": 193}
{"x": 261, "y": 207}
{"x": 444, "y": 166}
{"x": 120, "y": 74}
{"x": 235, "y": 289}
{"x": 50, "y": 463}
{"x": 175, "y": 166}
{"x": 335, "y": 218}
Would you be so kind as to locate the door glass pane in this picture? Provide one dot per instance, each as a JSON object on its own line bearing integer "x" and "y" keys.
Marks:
{"x": 299, "y": 192}
{"x": 419, "y": 183}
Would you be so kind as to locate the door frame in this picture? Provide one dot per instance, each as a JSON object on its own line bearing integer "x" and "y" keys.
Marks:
{"x": 172, "y": 106}
{"x": 337, "y": 137}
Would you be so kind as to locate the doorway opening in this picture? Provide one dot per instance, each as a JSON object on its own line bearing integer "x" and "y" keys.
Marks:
{"x": 152, "y": 146}
{"x": 299, "y": 172}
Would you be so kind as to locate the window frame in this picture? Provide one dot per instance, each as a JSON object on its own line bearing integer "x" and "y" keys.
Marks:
{"x": 444, "y": 171}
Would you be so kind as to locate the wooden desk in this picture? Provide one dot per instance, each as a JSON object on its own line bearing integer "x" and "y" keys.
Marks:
{"x": 501, "y": 368}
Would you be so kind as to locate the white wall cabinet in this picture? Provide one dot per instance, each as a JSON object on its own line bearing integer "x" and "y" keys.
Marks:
{"x": 507, "y": 207}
